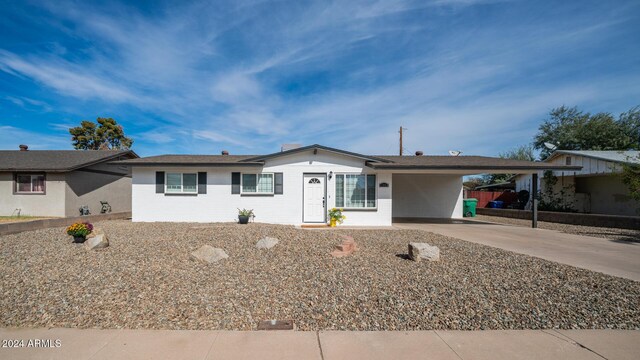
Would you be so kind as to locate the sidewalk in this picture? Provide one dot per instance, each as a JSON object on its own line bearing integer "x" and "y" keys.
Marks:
{"x": 328, "y": 345}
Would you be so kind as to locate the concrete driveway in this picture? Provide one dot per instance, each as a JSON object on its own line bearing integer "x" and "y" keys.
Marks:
{"x": 611, "y": 257}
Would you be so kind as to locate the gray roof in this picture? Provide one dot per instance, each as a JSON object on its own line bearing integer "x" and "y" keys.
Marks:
{"x": 437, "y": 162}
{"x": 193, "y": 160}
{"x": 57, "y": 160}
{"x": 316, "y": 147}
{"x": 471, "y": 163}
{"x": 621, "y": 156}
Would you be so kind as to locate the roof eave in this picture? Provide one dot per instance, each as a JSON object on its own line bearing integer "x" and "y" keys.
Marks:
{"x": 192, "y": 164}
{"x": 557, "y": 153}
{"x": 122, "y": 153}
{"x": 471, "y": 168}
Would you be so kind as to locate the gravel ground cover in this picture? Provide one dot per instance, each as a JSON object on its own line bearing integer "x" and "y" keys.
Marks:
{"x": 145, "y": 279}
{"x": 601, "y": 232}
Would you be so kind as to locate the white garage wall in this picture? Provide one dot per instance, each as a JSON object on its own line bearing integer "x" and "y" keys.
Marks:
{"x": 219, "y": 205}
{"x": 427, "y": 196}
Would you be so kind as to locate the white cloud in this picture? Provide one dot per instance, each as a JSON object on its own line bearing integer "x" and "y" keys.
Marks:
{"x": 215, "y": 136}
{"x": 221, "y": 73}
{"x": 29, "y": 104}
{"x": 64, "y": 77}
{"x": 11, "y": 137}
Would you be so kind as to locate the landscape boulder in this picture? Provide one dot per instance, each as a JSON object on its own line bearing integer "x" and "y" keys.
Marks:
{"x": 266, "y": 243}
{"x": 347, "y": 247}
{"x": 97, "y": 241}
{"x": 96, "y": 231}
{"x": 418, "y": 251}
{"x": 209, "y": 254}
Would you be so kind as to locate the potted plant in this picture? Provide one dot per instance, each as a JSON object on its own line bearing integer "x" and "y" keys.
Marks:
{"x": 335, "y": 217}
{"x": 79, "y": 231}
{"x": 244, "y": 215}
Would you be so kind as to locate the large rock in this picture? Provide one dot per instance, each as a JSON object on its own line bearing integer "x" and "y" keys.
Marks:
{"x": 97, "y": 241}
{"x": 418, "y": 251}
{"x": 266, "y": 243}
{"x": 347, "y": 247}
{"x": 209, "y": 254}
{"x": 96, "y": 231}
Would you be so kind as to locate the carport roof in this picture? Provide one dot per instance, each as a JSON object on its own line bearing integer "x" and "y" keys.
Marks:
{"x": 438, "y": 162}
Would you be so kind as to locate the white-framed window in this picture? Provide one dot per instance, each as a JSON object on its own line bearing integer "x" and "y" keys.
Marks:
{"x": 356, "y": 191}
{"x": 178, "y": 183}
{"x": 30, "y": 184}
{"x": 256, "y": 183}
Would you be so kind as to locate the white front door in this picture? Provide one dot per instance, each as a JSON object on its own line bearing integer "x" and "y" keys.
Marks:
{"x": 314, "y": 198}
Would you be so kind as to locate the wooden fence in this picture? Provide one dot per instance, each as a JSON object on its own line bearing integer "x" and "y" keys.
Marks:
{"x": 484, "y": 197}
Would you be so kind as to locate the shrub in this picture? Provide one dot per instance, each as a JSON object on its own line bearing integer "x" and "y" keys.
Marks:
{"x": 245, "y": 212}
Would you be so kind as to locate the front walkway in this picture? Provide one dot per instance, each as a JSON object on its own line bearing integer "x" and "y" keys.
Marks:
{"x": 617, "y": 258}
{"x": 327, "y": 345}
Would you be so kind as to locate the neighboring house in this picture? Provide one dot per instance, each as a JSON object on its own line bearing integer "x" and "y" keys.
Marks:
{"x": 298, "y": 186}
{"x": 597, "y": 188}
{"x": 56, "y": 183}
{"x": 502, "y": 186}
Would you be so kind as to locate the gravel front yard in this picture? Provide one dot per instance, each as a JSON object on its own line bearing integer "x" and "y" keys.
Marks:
{"x": 145, "y": 279}
{"x": 601, "y": 232}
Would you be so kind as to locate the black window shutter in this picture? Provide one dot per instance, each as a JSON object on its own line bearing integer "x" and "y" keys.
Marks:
{"x": 159, "y": 182}
{"x": 278, "y": 183}
{"x": 235, "y": 183}
{"x": 202, "y": 183}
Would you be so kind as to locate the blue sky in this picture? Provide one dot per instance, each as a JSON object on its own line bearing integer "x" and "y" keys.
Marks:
{"x": 247, "y": 76}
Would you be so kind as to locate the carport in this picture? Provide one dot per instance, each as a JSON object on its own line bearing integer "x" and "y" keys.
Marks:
{"x": 430, "y": 187}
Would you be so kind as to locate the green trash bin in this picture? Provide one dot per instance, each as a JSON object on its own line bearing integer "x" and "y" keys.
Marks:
{"x": 469, "y": 207}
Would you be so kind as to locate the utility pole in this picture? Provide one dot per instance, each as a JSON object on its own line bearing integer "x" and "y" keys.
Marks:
{"x": 401, "y": 128}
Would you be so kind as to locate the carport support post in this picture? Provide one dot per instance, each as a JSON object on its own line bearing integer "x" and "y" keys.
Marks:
{"x": 534, "y": 200}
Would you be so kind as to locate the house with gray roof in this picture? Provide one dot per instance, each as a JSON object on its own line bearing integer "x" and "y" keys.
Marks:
{"x": 299, "y": 185}
{"x": 595, "y": 188}
{"x": 56, "y": 183}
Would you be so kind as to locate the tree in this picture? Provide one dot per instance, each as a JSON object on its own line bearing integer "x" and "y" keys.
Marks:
{"x": 631, "y": 178}
{"x": 572, "y": 129}
{"x": 473, "y": 182}
{"x": 104, "y": 135}
{"x": 522, "y": 152}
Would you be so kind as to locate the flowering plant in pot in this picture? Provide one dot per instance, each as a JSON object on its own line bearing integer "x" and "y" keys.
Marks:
{"x": 79, "y": 231}
{"x": 244, "y": 215}
{"x": 335, "y": 217}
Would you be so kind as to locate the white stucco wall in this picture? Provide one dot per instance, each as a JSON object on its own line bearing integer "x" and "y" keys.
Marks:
{"x": 427, "y": 196}
{"x": 608, "y": 195}
{"x": 219, "y": 205}
{"x": 50, "y": 204}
